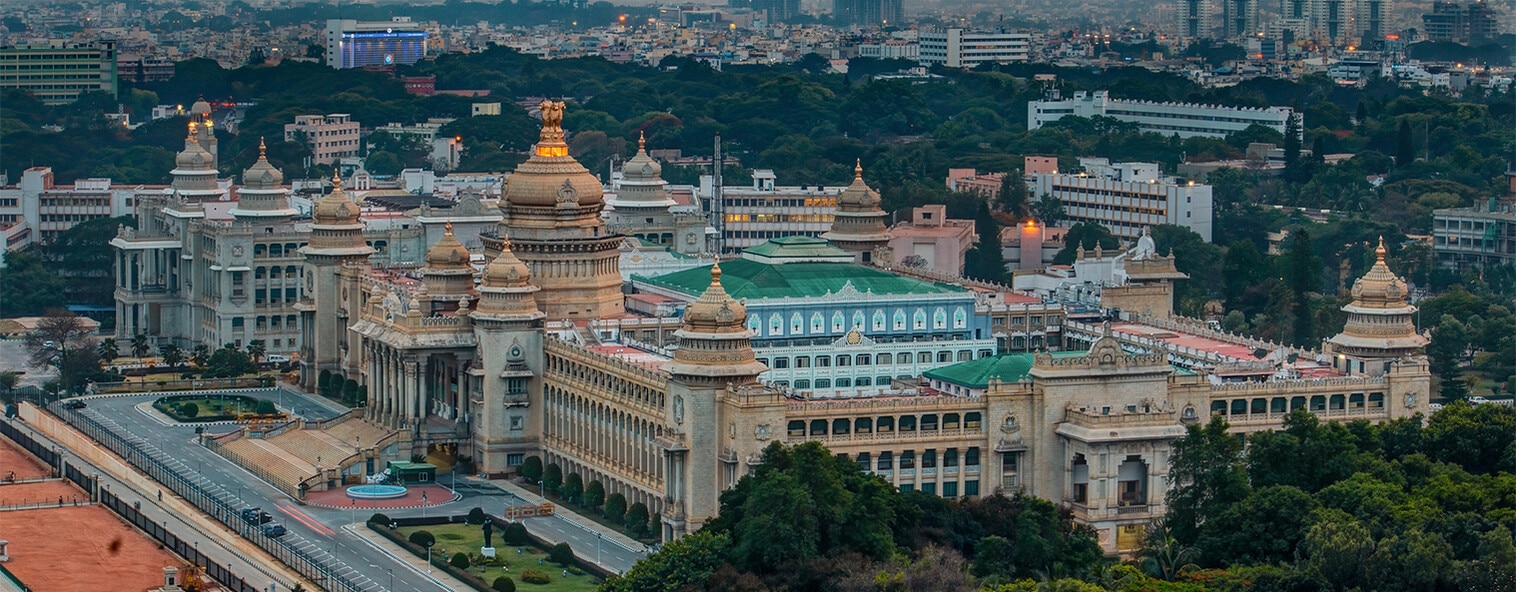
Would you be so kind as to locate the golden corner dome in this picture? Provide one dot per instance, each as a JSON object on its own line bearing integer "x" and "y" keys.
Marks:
{"x": 858, "y": 197}
{"x": 641, "y": 166}
{"x": 1380, "y": 287}
{"x": 335, "y": 207}
{"x": 262, "y": 175}
{"x": 448, "y": 253}
{"x": 194, "y": 155}
{"x": 552, "y": 178}
{"x": 715, "y": 311}
{"x": 506, "y": 270}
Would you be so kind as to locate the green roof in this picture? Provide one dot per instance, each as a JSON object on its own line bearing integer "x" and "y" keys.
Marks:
{"x": 798, "y": 247}
{"x": 745, "y": 278}
{"x": 1009, "y": 367}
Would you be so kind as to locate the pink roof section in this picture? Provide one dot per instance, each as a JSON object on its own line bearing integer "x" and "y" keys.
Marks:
{"x": 1235, "y": 352}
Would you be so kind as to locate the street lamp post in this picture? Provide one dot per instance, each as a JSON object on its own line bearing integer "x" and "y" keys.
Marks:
{"x": 429, "y": 557}
{"x": 599, "y": 537}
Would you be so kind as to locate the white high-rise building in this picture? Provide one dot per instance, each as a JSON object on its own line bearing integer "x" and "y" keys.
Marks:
{"x": 1186, "y": 120}
{"x": 1194, "y": 19}
{"x": 960, "y": 48}
{"x": 1128, "y": 197}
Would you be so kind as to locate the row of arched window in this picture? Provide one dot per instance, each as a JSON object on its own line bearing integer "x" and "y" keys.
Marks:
{"x": 929, "y": 422}
{"x": 774, "y": 324}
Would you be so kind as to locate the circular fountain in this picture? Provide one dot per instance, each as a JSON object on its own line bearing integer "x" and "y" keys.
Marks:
{"x": 376, "y": 492}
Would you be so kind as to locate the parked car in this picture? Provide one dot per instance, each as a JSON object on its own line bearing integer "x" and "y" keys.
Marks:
{"x": 1434, "y": 407}
{"x": 276, "y": 359}
{"x": 274, "y": 531}
{"x": 74, "y": 404}
{"x": 256, "y": 516}
{"x": 1477, "y": 400}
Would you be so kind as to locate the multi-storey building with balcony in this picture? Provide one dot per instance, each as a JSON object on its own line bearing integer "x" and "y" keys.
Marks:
{"x": 1127, "y": 198}
{"x": 1185, "y": 120}
{"x": 330, "y": 137}
{"x": 57, "y": 72}
{"x": 1478, "y": 237}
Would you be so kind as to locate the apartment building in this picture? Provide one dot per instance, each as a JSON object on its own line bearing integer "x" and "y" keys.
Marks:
{"x": 1128, "y": 197}
{"x": 329, "y": 137}
{"x": 961, "y": 48}
{"x": 1186, "y": 120}
{"x": 57, "y": 72}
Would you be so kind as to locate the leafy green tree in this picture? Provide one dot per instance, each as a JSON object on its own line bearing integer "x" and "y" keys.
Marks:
{"x": 531, "y": 468}
{"x": 594, "y": 495}
{"x": 985, "y": 261}
{"x": 1337, "y": 546}
{"x": 515, "y": 534}
{"x": 573, "y": 487}
{"x": 140, "y": 346}
{"x": 552, "y": 477}
{"x": 561, "y": 554}
{"x": 615, "y": 507}
{"x": 382, "y": 163}
{"x": 1012, "y": 196}
{"x": 172, "y": 355}
{"x": 1446, "y": 351}
{"x": 503, "y": 584}
{"x": 459, "y": 560}
{"x": 265, "y": 407}
{"x": 27, "y": 286}
{"x": 1413, "y": 560}
{"x": 201, "y": 355}
{"x": 1476, "y": 438}
{"x": 1405, "y": 145}
{"x": 422, "y": 538}
{"x": 189, "y": 410}
{"x": 1242, "y": 268}
{"x": 682, "y": 564}
{"x": 107, "y": 350}
{"x": 256, "y": 349}
{"x": 1048, "y": 210}
{"x": 1208, "y": 474}
{"x": 1303, "y": 271}
{"x": 636, "y": 519}
{"x": 1086, "y": 235}
{"x": 1163, "y": 556}
{"x": 1307, "y": 453}
{"x": 229, "y": 362}
{"x": 1265, "y": 528}
{"x": 1292, "y": 148}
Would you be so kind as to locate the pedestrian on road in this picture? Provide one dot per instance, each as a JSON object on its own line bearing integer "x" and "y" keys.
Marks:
{"x": 160, "y": 495}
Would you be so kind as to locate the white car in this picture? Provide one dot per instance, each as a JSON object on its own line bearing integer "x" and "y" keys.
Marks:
{"x": 1478, "y": 400}
{"x": 276, "y": 359}
{"x": 1435, "y": 407}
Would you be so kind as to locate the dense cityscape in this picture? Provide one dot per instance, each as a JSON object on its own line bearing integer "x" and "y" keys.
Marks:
{"x": 804, "y": 295}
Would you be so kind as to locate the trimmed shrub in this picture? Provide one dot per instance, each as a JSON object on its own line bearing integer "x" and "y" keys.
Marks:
{"x": 530, "y": 469}
{"x": 573, "y": 487}
{"x": 594, "y": 495}
{"x": 459, "y": 560}
{"x": 552, "y": 477}
{"x": 476, "y": 516}
{"x": 636, "y": 519}
{"x": 189, "y": 410}
{"x": 535, "y": 576}
{"x": 422, "y": 538}
{"x": 379, "y": 519}
{"x": 515, "y": 534}
{"x": 503, "y": 584}
{"x": 561, "y": 554}
{"x": 265, "y": 407}
{"x": 615, "y": 507}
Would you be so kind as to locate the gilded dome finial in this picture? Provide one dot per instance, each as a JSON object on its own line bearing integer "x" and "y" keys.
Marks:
{"x": 858, "y": 169}
{"x": 1380, "y": 252}
{"x": 641, "y": 141}
{"x": 262, "y": 149}
{"x": 716, "y": 271}
{"x": 336, "y": 181}
{"x": 194, "y": 131}
{"x": 447, "y": 228}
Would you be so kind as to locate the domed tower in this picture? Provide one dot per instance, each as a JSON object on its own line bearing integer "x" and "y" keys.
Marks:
{"x": 1379, "y": 329}
{"x": 642, "y": 185}
{"x": 262, "y": 196}
{"x": 336, "y": 245}
{"x": 713, "y": 360}
{"x": 200, "y": 114}
{"x": 448, "y": 277}
{"x": 195, "y": 170}
{"x": 507, "y": 325}
{"x": 859, "y": 226}
{"x": 551, "y": 211}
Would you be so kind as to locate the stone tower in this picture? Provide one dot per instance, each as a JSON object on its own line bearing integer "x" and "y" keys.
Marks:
{"x": 508, "y": 326}
{"x": 194, "y": 174}
{"x": 713, "y": 359}
{"x": 1379, "y": 329}
{"x": 262, "y": 197}
{"x": 448, "y": 277}
{"x": 551, "y": 211}
{"x": 859, "y": 227}
{"x": 336, "y": 245}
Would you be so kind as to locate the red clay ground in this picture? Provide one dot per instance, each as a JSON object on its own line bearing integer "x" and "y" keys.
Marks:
{"x": 73, "y": 548}
{"x": 14, "y": 459}
{"x": 38, "y": 492}
{"x": 337, "y": 498}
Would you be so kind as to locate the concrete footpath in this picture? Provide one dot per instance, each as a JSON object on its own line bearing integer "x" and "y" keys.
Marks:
{"x": 176, "y": 514}
{"x": 611, "y": 536}
{"x": 401, "y": 554}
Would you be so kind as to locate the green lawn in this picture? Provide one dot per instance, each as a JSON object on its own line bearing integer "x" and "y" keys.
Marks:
{"x": 228, "y": 405}
{"x": 465, "y": 538}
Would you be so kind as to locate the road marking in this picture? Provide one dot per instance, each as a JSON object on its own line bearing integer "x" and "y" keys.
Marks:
{"x": 305, "y": 519}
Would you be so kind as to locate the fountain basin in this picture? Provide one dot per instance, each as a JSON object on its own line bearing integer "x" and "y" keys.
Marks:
{"x": 376, "y": 492}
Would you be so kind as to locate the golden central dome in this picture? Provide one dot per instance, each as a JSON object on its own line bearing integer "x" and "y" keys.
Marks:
{"x": 715, "y": 311}
{"x": 336, "y": 208}
{"x": 1380, "y": 287}
{"x": 448, "y": 253}
{"x": 551, "y": 178}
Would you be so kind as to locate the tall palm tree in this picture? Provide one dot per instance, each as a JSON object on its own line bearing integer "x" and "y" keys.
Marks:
{"x": 140, "y": 346}
{"x": 107, "y": 350}
{"x": 200, "y": 355}
{"x": 256, "y": 349}
{"x": 172, "y": 355}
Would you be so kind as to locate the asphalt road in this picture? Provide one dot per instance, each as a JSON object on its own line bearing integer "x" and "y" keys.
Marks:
{"x": 14, "y": 357}
{"x": 319, "y": 530}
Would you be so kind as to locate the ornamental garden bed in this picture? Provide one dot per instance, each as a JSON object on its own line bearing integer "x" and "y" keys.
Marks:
{"x": 522, "y": 562}
{"x": 200, "y": 408}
